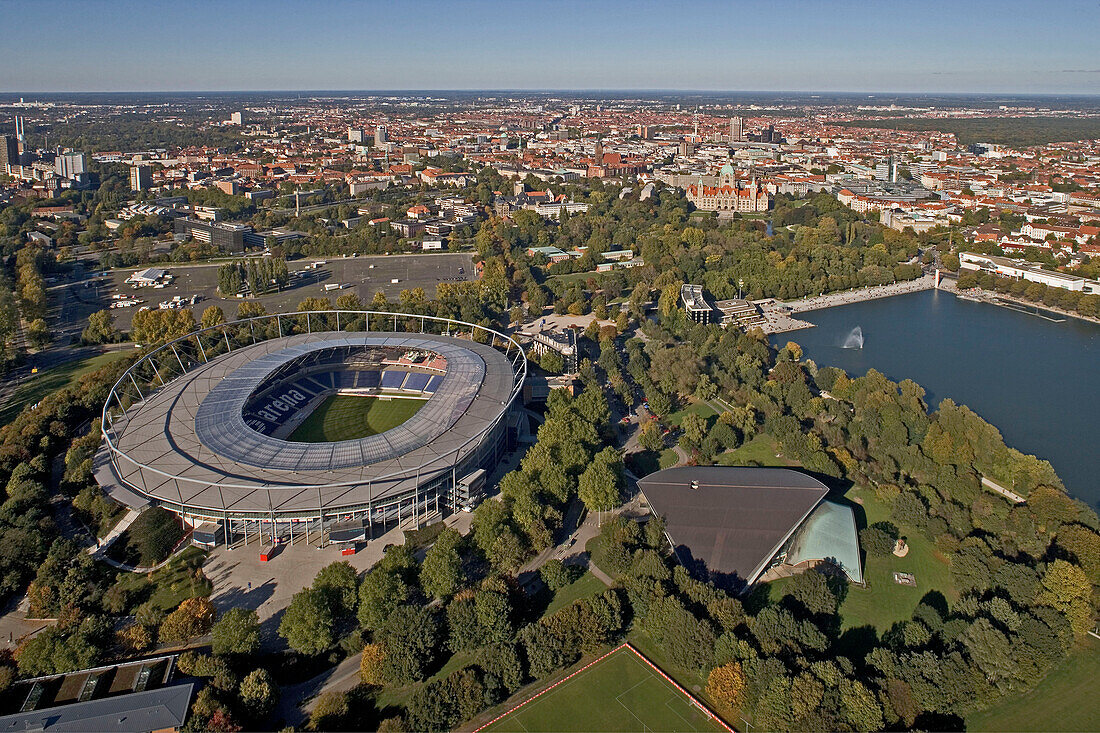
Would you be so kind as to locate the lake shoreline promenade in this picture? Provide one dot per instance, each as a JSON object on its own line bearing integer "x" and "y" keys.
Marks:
{"x": 778, "y": 314}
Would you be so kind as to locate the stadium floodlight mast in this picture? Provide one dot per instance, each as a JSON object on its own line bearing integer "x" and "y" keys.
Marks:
{"x": 158, "y": 367}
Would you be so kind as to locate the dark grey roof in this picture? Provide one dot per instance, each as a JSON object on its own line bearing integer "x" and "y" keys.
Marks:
{"x": 737, "y": 518}
{"x": 165, "y": 707}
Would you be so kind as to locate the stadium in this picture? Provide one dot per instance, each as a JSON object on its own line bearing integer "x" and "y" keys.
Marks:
{"x": 328, "y": 426}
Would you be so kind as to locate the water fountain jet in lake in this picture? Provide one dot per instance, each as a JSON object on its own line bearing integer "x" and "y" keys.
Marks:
{"x": 854, "y": 340}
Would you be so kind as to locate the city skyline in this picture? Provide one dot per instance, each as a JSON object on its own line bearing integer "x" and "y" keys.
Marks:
{"x": 789, "y": 46}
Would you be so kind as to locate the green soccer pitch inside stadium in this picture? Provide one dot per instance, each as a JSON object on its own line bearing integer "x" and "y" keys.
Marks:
{"x": 349, "y": 417}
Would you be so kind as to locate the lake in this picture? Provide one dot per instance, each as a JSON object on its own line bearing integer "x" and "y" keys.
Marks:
{"x": 1038, "y": 382}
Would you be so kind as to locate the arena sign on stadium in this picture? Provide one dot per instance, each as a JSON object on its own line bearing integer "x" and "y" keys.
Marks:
{"x": 328, "y": 425}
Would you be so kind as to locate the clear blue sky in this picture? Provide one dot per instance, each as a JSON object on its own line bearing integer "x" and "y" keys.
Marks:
{"x": 1037, "y": 46}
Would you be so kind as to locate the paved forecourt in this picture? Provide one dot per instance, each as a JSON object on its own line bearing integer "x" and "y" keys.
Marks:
{"x": 621, "y": 691}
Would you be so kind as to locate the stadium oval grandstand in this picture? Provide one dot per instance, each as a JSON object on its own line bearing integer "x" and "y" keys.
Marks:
{"x": 202, "y": 424}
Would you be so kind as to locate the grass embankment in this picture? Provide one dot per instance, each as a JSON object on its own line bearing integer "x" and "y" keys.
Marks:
{"x": 1066, "y": 700}
{"x": 149, "y": 540}
{"x": 52, "y": 380}
{"x": 883, "y": 601}
{"x": 762, "y": 450}
{"x": 583, "y": 587}
{"x": 177, "y": 581}
{"x": 349, "y": 417}
{"x": 702, "y": 409}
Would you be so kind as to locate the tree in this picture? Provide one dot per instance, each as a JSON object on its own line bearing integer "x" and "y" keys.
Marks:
{"x": 100, "y": 329}
{"x": 329, "y": 712}
{"x": 441, "y": 571}
{"x": 259, "y": 692}
{"x": 307, "y": 624}
{"x": 508, "y": 550}
{"x": 1083, "y": 544}
{"x": 135, "y": 637}
{"x": 695, "y": 429}
{"x": 212, "y": 316}
{"x": 860, "y": 706}
{"x": 726, "y": 688}
{"x": 879, "y": 539}
{"x": 598, "y": 486}
{"x": 811, "y": 589}
{"x": 194, "y": 617}
{"x": 990, "y": 649}
{"x": 556, "y": 574}
{"x": 381, "y": 592}
{"x": 493, "y": 610}
{"x": 340, "y": 583}
{"x": 237, "y": 632}
{"x": 649, "y": 436}
{"x": 410, "y": 637}
{"x": 1067, "y": 588}
{"x": 371, "y": 665}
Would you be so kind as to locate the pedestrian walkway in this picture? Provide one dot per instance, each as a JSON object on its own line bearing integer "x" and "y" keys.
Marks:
{"x": 778, "y": 314}
{"x": 99, "y": 550}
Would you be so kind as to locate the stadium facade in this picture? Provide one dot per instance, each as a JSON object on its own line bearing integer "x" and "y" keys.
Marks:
{"x": 200, "y": 425}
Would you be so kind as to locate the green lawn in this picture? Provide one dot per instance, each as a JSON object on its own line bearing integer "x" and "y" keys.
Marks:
{"x": 668, "y": 458}
{"x": 52, "y": 380}
{"x": 1066, "y": 700}
{"x": 347, "y": 417}
{"x": 760, "y": 451}
{"x": 177, "y": 581}
{"x": 575, "y": 277}
{"x": 618, "y": 693}
{"x": 883, "y": 601}
{"x": 699, "y": 408}
{"x": 583, "y": 587}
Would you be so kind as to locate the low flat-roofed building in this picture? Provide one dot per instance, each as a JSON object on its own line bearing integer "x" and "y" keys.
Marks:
{"x": 148, "y": 276}
{"x": 229, "y": 237}
{"x": 137, "y": 697}
{"x": 537, "y": 389}
{"x": 730, "y": 524}
{"x": 541, "y": 339}
{"x": 1022, "y": 270}
{"x": 738, "y": 312}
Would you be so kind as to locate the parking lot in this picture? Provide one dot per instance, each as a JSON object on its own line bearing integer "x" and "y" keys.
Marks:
{"x": 363, "y": 276}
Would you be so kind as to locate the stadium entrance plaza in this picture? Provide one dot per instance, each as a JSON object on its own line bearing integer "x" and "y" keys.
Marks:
{"x": 241, "y": 580}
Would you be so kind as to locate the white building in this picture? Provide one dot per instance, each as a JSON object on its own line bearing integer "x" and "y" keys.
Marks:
{"x": 1020, "y": 270}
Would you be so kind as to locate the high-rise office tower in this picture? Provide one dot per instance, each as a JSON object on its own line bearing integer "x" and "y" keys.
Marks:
{"x": 141, "y": 177}
{"x": 737, "y": 129}
{"x": 70, "y": 165}
{"x": 9, "y": 152}
{"x": 381, "y": 136}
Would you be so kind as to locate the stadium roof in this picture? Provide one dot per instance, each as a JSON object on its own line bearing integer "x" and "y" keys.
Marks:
{"x": 168, "y": 435}
{"x": 220, "y": 423}
{"x": 733, "y": 520}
